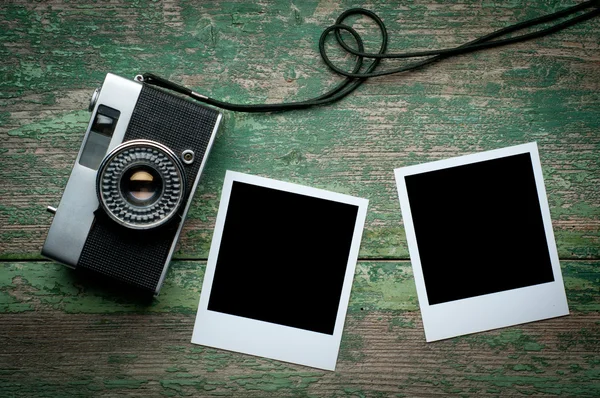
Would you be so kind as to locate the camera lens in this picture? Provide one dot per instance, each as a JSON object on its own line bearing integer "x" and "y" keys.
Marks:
{"x": 141, "y": 184}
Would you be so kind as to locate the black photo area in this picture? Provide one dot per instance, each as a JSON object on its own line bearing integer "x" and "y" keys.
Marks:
{"x": 283, "y": 258}
{"x": 479, "y": 228}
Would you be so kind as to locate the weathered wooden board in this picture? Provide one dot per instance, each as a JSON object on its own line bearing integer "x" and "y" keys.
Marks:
{"x": 54, "y": 54}
{"x": 378, "y": 286}
{"x": 62, "y": 334}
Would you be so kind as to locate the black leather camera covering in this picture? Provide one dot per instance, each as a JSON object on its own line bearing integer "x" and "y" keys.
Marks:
{"x": 139, "y": 257}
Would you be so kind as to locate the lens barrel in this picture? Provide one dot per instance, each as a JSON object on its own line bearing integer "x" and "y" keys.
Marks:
{"x": 141, "y": 184}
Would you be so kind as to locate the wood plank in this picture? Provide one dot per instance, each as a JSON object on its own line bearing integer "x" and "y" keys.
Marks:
{"x": 382, "y": 354}
{"x": 67, "y": 334}
{"x": 546, "y": 91}
{"x": 377, "y": 286}
{"x": 64, "y": 335}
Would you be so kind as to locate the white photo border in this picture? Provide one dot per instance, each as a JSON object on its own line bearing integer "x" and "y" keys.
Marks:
{"x": 249, "y": 336}
{"x": 490, "y": 311}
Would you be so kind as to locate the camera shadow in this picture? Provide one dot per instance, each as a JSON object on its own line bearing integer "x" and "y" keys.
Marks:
{"x": 95, "y": 284}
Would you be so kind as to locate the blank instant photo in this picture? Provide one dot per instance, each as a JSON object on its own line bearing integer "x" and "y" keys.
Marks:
{"x": 280, "y": 270}
{"x": 481, "y": 243}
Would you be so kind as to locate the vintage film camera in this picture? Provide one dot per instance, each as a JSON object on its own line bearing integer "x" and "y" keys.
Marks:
{"x": 132, "y": 183}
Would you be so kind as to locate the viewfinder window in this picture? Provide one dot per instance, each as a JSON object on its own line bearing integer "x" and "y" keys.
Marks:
{"x": 99, "y": 137}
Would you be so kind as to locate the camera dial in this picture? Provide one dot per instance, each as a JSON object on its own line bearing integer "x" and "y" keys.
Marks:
{"x": 94, "y": 99}
{"x": 187, "y": 156}
{"x": 141, "y": 184}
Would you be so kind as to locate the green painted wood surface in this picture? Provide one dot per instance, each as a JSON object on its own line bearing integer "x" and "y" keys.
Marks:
{"x": 65, "y": 335}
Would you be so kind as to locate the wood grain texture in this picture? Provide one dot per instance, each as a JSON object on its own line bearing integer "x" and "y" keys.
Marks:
{"x": 381, "y": 355}
{"x": 65, "y": 334}
{"x": 55, "y": 53}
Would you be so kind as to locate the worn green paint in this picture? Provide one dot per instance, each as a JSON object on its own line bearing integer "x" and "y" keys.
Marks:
{"x": 124, "y": 384}
{"x": 250, "y": 376}
{"x": 539, "y": 385}
{"x": 122, "y": 358}
{"x": 512, "y": 338}
{"x": 63, "y": 126}
{"x": 53, "y": 55}
{"x": 351, "y": 348}
{"x": 378, "y": 286}
{"x": 543, "y": 98}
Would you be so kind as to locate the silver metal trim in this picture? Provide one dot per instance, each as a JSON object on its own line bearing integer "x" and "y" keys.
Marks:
{"x": 51, "y": 209}
{"x": 198, "y": 95}
{"x": 75, "y": 211}
{"x": 187, "y": 206}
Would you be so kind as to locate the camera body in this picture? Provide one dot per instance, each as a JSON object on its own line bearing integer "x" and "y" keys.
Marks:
{"x": 132, "y": 183}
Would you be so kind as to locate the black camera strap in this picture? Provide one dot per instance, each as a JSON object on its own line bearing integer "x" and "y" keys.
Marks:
{"x": 356, "y": 77}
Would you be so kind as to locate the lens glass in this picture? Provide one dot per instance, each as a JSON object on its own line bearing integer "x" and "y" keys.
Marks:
{"x": 141, "y": 185}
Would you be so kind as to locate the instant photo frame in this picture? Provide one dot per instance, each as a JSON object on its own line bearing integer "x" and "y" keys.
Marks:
{"x": 280, "y": 270}
{"x": 481, "y": 243}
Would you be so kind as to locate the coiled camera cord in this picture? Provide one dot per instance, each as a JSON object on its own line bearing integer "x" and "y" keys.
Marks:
{"x": 355, "y": 78}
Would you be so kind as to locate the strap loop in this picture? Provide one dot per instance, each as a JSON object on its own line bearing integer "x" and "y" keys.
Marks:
{"x": 355, "y": 78}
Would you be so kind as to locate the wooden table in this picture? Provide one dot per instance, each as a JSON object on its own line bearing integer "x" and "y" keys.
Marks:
{"x": 62, "y": 334}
